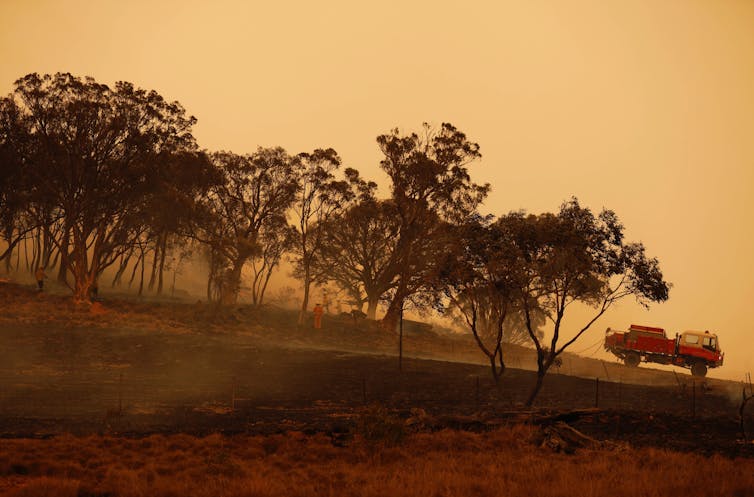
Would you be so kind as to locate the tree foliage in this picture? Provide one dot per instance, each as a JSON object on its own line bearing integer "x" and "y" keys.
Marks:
{"x": 320, "y": 198}
{"x": 93, "y": 157}
{"x": 576, "y": 257}
{"x": 251, "y": 200}
{"x": 430, "y": 184}
{"x": 359, "y": 253}
{"x": 482, "y": 283}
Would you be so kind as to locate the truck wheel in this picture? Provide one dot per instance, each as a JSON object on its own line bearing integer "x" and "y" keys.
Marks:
{"x": 632, "y": 359}
{"x": 699, "y": 369}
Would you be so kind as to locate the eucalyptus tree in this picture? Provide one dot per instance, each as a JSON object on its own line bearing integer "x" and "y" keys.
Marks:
{"x": 174, "y": 209}
{"x": 359, "y": 253}
{"x": 575, "y": 257}
{"x": 254, "y": 195}
{"x": 430, "y": 184}
{"x": 275, "y": 240}
{"x": 94, "y": 155}
{"x": 320, "y": 198}
{"x": 319, "y": 205}
{"x": 15, "y": 189}
{"x": 481, "y": 281}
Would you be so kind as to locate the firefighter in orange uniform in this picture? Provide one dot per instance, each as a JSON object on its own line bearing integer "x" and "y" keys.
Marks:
{"x": 318, "y": 311}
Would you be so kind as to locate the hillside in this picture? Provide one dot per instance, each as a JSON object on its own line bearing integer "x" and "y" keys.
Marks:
{"x": 141, "y": 367}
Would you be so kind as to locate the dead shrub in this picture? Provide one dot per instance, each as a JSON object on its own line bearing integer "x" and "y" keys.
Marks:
{"x": 378, "y": 426}
{"x": 49, "y": 487}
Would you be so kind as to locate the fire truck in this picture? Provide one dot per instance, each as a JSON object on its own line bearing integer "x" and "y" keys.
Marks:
{"x": 695, "y": 350}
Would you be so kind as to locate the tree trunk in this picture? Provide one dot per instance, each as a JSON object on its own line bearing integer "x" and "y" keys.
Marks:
{"x": 372, "y": 303}
{"x": 393, "y": 314}
{"x": 231, "y": 285}
{"x": 79, "y": 265}
{"x": 495, "y": 373}
{"x": 26, "y": 255}
{"x": 136, "y": 268}
{"x": 55, "y": 259}
{"x": 264, "y": 286}
{"x": 64, "y": 257}
{"x": 36, "y": 250}
{"x": 124, "y": 259}
{"x": 211, "y": 274}
{"x": 163, "y": 251}
{"x": 9, "y": 256}
{"x": 82, "y": 286}
{"x": 141, "y": 281}
{"x": 537, "y": 387}
{"x": 47, "y": 248}
{"x": 305, "y": 301}
{"x": 153, "y": 274}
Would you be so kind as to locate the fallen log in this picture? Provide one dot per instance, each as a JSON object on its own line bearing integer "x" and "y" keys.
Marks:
{"x": 560, "y": 437}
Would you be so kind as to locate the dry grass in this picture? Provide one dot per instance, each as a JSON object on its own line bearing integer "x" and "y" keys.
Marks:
{"x": 448, "y": 463}
{"x": 26, "y": 306}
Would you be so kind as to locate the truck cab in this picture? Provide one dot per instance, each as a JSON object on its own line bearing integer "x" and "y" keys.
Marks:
{"x": 698, "y": 350}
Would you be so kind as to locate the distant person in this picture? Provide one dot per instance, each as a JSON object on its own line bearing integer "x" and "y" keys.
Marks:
{"x": 318, "y": 311}
{"x": 40, "y": 275}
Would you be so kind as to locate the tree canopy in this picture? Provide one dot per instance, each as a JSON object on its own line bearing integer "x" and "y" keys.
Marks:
{"x": 92, "y": 174}
{"x": 93, "y": 156}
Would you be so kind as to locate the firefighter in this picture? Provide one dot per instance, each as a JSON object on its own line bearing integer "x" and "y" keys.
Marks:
{"x": 318, "y": 311}
{"x": 40, "y": 275}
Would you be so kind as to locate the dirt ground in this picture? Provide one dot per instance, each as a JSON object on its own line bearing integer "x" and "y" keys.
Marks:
{"x": 135, "y": 368}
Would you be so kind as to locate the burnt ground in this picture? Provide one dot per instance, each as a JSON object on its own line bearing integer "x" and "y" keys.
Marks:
{"x": 242, "y": 370}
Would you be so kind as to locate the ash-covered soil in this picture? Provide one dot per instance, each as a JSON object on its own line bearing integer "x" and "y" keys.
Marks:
{"x": 133, "y": 368}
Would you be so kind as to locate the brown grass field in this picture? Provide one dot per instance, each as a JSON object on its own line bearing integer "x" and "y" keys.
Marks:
{"x": 504, "y": 462}
{"x": 130, "y": 398}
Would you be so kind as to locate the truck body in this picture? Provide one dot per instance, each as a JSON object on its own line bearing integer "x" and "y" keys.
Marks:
{"x": 695, "y": 350}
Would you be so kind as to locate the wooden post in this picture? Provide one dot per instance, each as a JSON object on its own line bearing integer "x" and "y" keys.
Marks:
{"x": 607, "y": 375}
{"x": 620, "y": 387}
{"x": 120, "y": 394}
{"x": 400, "y": 342}
{"x": 233, "y": 395}
{"x": 596, "y": 392}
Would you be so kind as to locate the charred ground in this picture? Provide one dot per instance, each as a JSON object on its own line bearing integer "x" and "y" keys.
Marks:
{"x": 135, "y": 368}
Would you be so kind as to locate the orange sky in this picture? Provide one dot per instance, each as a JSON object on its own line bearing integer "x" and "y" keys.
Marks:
{"x": 645, "y": 107}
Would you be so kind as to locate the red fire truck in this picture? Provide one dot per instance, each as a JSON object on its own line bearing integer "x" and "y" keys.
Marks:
{"x": 696, "y": 350}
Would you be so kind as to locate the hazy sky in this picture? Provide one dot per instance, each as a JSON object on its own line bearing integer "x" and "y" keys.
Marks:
{"x": 644, "y": 107}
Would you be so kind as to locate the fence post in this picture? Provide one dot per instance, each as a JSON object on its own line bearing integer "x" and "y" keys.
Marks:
{"x": 120, "y": 394}
{"x": 233, "y": 395}
{"x": 596, "y": 392}
{"x": 620, "y": 388}
{"x": 604, "y": 366}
